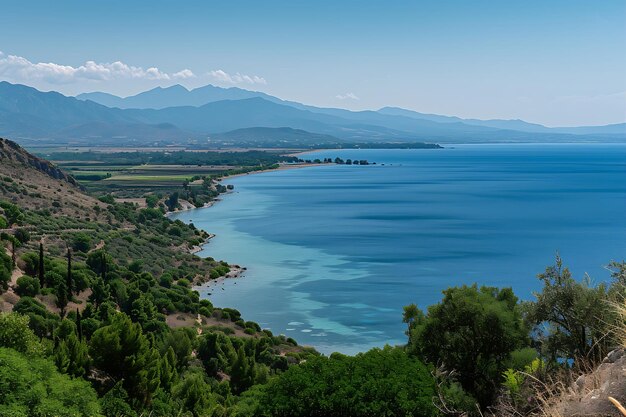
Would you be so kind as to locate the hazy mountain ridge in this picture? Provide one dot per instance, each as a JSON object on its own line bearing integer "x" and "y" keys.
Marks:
{"x": 29, "y": 114}
{"x": 177, "y": 95}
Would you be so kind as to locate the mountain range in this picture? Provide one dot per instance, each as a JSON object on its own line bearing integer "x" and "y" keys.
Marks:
{"x": 207, "y": 114}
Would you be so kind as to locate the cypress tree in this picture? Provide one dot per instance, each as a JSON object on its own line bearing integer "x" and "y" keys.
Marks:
{"x": 168, "y": 369}
{"x": 69, "y": 282}
{"x": 41, "y": 271}
{"x": 103, "y": 266}
{"x": 79, "y": 326}
{"x": 62, "y": 297}
{"x": 13, "y": 252}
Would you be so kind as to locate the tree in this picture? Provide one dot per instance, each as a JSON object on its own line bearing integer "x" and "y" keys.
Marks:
{"x": 172, "y": 201}
{"x": 71, "y": 357}
{"x": 27, "y": 286}
{"x": 180, "y": 342}
{"x": 100, "y": 292}
{"x": 22, "y": 235}
{"x": 571, "y": 319}
{"x": 242, "y": 372}
{"x": 410, "y": 314}
{"x": 114, "y": 402}
{"x": 79, "y": 325}
{"x": 380, "y": 382}
{"x": 152, "y": 200}
{"x": 12, "y": 213}
{"x": 41, "y": 268}
{"x": 6, "y": 268}
{"x": 81, "y": 242}
{"x": 69, "y": 282}
{"x": 16, "y": 334}
{"x": 124, "y": 353}
{"x": 216, "y": 351}
{"x": 98, "y": 261}
{"x": 168, "y": 369}
{"x": 38, "y": 389}
{"x": 195, "y": 394}
{"x": 62, "y": 297}
{"x": 473, "y": 332}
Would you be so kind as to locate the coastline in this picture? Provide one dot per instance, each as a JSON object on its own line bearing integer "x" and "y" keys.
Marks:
{"x": 236, "y": 271}
{"x": 186, "y": 206}
{"x": 281, "y": 167}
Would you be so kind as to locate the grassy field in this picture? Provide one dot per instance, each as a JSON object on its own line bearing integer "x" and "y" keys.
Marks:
{"x": 166, "y": 171}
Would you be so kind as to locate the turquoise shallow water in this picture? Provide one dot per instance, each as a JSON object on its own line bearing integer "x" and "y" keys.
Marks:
{"x": 334, "y": 252}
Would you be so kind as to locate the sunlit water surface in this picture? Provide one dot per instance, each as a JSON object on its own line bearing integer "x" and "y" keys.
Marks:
{"x": 334, "y": 252}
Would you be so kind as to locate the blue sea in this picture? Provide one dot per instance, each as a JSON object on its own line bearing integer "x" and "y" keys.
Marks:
{"x": 334, "y": 252}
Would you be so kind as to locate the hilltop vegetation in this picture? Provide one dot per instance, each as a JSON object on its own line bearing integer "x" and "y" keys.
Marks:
{"x": 99, "y": 318}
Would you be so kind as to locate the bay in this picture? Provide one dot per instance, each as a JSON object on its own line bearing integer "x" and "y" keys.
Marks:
{"x": 334, "y": 252}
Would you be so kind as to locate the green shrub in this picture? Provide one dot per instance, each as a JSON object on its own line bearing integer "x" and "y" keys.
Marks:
{"x": 381, "y": 382}
{"x": 22, "y": 235}
{"x": 81, "y": 242}
{"x": 38, "y": 389}
{"x": 27, "y": 286}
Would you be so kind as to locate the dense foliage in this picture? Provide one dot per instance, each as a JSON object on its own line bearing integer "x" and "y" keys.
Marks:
{"x": 380, "y": 382}
{"x": 473, "y": 331}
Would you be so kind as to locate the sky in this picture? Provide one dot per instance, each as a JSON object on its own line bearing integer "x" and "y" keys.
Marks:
{"x": 554, "y": 62}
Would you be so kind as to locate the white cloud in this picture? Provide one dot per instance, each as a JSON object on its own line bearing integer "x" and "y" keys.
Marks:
{"x": 15, "y": 68}
{"x": 21, "y": 69}
{"x": 347, "y": 96}
{"x": 184, "y": 74}
{"x": 236, "y": 78}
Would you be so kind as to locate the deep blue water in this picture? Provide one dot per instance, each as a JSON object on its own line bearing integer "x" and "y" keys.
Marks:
{"x": 334, "y": 252}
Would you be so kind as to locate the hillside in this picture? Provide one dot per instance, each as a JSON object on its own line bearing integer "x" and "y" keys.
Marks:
{"x": 33, "y": 182}
{"x": 100, "y": 291}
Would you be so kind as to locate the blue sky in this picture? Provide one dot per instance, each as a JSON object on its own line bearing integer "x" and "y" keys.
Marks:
{"x": 551, "y": 62}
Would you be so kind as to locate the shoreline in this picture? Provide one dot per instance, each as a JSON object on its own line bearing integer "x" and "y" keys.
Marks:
{"x": 236, "y": 271}
{"x": 283, "y": 167}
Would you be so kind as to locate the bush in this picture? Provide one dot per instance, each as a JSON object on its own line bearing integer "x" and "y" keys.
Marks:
{"x": 31, "y": 263}
{"x": 38, "y": 389}
{"x": 81, "y": 242}
{"x": 15, "y": 334}
{"x": 183, "y": 283}
{"x": 472, "y": 331}
{"x": 381, "y": 382}
{"x": 22, "y": 235}
{"x": 27, "y": 286}
{"x": 6, "y": 268}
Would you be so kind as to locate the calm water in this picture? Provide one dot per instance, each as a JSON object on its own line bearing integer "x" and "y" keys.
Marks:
{"x": 334, "y": 252}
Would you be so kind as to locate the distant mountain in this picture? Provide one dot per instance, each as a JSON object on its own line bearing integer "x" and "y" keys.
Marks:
{"x": 614, "y": 129}
{"x": 517, "y": 124}
{"x": 394, "y": 118}
{"x": 174, "y": 96}
{"x": 26, "y": 113}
